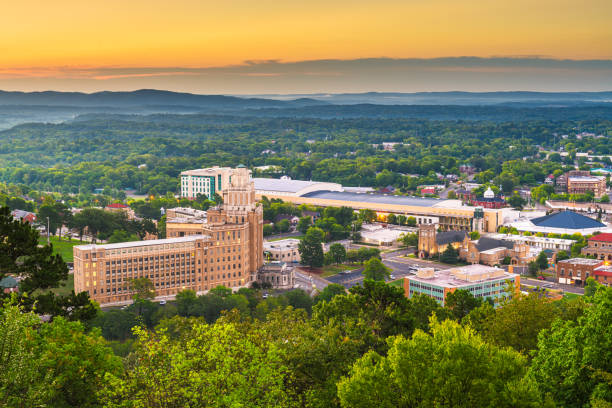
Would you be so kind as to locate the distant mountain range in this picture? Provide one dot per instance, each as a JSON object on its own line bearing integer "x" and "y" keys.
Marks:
{"x": 54, "y": 107}
{"x": 155, "y": 98}
{"x": 455, "y": 98}
{"x": 146, "y": 97}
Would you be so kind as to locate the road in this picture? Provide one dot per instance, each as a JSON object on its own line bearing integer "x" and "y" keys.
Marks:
{"x": 552, "y": 285}
{"x": 400, "y": 267}
{"x": 308, "y": 282}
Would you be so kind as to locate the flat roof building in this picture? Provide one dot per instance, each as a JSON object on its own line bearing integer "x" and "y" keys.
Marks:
{"x": 480, "y": 280}
{"x": 284, "y": 250}
{"x": 207, "y": 182}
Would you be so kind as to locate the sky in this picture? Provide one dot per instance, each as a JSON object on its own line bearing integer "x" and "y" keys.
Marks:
{"x": 291, "y": 46}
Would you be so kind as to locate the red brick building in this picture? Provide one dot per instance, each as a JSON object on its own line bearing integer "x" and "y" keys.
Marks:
{"x": 599, "y": 246}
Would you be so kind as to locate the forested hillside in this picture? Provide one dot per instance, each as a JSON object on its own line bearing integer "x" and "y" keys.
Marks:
{"x": 109, "y": 151}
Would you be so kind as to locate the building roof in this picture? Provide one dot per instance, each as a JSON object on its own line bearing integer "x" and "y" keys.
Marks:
{"x": 376, "y": 198}
{"x": 287, "y": 185}
{"x": 19, "y": 214}
{"x": 448, "y": 237}
{"x": 464, "y": 276}
{"x": 605, "y": 237}
{"x": 149, "y": 242}
{"x": 8, "y": 282}
{"x": 567, "y": 220}
{"x": 581, "y": 261}
{"x": 486, "y": 243}
{"x": 117, "y": 205}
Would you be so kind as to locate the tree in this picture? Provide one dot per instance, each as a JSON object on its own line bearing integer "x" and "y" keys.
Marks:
{"x": 311, "y": 248}
{"x": 391, "y": 219}
{"x": 562, "y": 255}
{"x": 474, "y": 235}
{"x": 424, "y": 371}
{"x": 411, "y": 221}
{"x": 329, "y": 292}
{"x": 542, "y": 261}
{"x": 57, "y": 364}
{"x": 303, "y": 224}
{"x": 533, "y": 267}
{"x": 143, "y": 291}
{"x": 219, "y": 366}
{"x": 516, "y": 201}
{"x": 39, "y": 269}
{"x": 375, "y": 270}
{"x": 450, "y": 255}
{"x": 590, "y": 288}
{"x": 507, "y": 260}
{"x": 268, "y": 229}
{"x": 409, "y": 240}
{"x": 298, "y": 299}
{"x": 51, "y": 212}
{"x": 367, "y": 216}
{"x": 283, "y": 225}
{"x": 121, "y": 236}
{"x": 367, "y": 315}
{"x": 461, "y": 302}
{"x": 338, "y": 253}
{"x": 519, "y": 321}
{"x": 573, "y": 359}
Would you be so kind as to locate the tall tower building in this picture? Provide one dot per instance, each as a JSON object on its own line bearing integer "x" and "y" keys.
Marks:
{"x": 223, "y": 248}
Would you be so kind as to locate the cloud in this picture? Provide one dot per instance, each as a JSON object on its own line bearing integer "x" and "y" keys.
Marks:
{"x": 466, "y": 73}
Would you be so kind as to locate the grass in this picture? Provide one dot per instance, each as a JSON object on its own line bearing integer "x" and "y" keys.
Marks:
{"x": 63, "y": 247}
{"x": 66, "y": 286}
{"x": 290, "y": 237}
{"x": 570, "y": 296}
{"x": 330, "y": 270}
{"x": 397, "y": 283}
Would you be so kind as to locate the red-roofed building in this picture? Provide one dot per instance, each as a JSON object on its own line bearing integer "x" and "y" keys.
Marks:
{"x": 600, "y": 246}
{"x": 603, "y": 274}
{"x": 118, "y": 207}
{"x": 428, "y": 190}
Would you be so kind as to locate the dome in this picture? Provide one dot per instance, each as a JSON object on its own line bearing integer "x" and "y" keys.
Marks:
{"x": 489, "y": 193}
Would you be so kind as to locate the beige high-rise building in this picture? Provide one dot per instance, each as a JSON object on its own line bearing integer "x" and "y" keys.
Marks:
{"x": 225, "y": 249}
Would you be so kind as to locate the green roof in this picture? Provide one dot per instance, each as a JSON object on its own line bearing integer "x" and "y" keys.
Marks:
{"x": 8, "y": 282}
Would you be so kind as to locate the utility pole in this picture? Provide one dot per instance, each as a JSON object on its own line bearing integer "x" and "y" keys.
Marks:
{"x": 47, "y": 230}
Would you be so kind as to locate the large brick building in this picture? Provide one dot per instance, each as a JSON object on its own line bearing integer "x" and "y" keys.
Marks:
{"x": 227, "y": 250}
{"x": 581, "y": 182}
{"x": 491, "y": 251}
{"x": 599, "y": 246}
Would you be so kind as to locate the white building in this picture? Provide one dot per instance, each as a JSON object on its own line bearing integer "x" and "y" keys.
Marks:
{"x": 207, "y": 182}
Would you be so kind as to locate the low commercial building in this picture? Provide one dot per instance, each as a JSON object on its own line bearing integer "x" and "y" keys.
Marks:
{"x": 480, "y": 280}
{"x": 380, "y": 235}
{"x": 121, "y": 208}
{"x": 541, "y": 243}
{"x": 575, "y": 271}
{"x": 284, "y": 250}
{"x": 278, "y": 274}
{"x": 24, "y": 216}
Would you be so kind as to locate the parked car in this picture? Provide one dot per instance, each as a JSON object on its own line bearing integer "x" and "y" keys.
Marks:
{"x": 541, "y": 278}
{"x": 392, "y": 276}
{"x": 162, "y": 302}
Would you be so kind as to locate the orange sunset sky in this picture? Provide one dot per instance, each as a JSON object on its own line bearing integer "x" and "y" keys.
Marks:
{"x": 66, "y": 44}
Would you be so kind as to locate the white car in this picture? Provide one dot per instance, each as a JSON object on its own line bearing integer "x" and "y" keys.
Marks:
{"x": 162, "y": 302}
